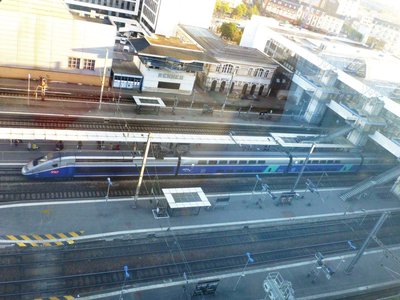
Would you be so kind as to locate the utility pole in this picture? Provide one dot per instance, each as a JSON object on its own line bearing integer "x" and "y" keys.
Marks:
{"x": 29, "y": 88}
{"x": 142, "y": 169}
{"x": 103, "y": 80}
{"x": 371, "y": 235}
{"x": 303, "y": 168}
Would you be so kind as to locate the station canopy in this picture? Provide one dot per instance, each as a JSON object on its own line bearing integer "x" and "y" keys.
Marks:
{"x": 148, "y": 101}
{"x": 33, "y": 134}
{"x": 186, "y": 198}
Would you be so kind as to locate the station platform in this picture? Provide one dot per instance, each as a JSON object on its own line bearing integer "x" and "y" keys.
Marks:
{"x": 78, "y": 221}
{"x": 113, "y": 110}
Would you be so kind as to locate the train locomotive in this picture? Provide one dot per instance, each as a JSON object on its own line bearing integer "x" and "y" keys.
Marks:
{"x": 112, "y": 164}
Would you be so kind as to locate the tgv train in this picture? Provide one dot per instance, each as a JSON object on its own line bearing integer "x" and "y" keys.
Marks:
{"x": 110, "y": 164}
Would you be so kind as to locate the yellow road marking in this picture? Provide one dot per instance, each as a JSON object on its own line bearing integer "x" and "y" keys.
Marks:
{"x": 63, "y": 236}
{"x": 51, "y": 237}
{"x": 54, "y": 298}
{"x": 27, "y": 238}
{"x": 69, "y": 297}
{"x": 39, "y": 238}
{"x": 74, "y": 234}
{"x": 13, "y": 238}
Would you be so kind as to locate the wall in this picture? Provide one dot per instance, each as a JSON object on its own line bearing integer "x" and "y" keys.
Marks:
{"x": 151, "y": 78}
{"x": 42, "y": 42}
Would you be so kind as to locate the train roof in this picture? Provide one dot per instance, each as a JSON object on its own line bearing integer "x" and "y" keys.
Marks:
{"x": 194, "y": 154}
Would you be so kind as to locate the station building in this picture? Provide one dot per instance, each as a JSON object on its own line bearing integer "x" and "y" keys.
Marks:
{"x": 43, "y": 38}
{"x": 167, "y": 64}
{"x": 239, "y": 70}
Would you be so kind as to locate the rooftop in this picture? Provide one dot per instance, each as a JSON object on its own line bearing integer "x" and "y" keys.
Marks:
{"x": 144, "y": 46}
{"x": 222, "y": 51}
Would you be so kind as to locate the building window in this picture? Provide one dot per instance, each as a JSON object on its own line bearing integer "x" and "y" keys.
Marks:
{"x": 236, "y": 69}
{"x": 250, "y": 72}
{"x": 88, "y": 64}
{"x": 266, "y": 73}
{"x": 227, "y": 68}
{"x": 74, "y": 63}
{"x": 259, "y": 72}
{"x": 218, "y": 68}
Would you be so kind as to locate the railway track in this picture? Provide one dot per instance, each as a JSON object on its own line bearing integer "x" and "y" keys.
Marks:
{"x": 112, "y": 97}
{"x": 132, "y": 125}
{"x": 86, "y": 268}
{"x": 18, "y": 188}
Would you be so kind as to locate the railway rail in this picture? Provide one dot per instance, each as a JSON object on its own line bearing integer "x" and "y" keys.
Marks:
{"x": 84, "y": 268}
{"x": 105, "y": 124}
{"x": 15, "y": 187}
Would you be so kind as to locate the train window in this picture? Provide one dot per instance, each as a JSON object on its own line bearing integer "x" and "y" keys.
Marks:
{"x": 252, "y": 162}
{"x": 261, "y": 162}
{"x": 329, "y": 162}
{"x": 233, "y": 162}
{"x": 310, "y": 162}
{"x": 223, "y": 162}
{"x": 242, "y": 162}
{"x": 202, "y": 162}
{"x": 212, "y": 162}
{"x": 322, "y": 162}
{"x": 337, "y": 161}
{"x": 54, "y": 165}
{"x": 301, "y": 162}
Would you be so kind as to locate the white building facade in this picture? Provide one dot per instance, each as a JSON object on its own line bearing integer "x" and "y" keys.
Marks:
{"x": 163, "y": 16}
{"x": 53, "y": 42}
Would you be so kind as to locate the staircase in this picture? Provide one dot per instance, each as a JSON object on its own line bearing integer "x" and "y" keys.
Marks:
{"x": 371, "y": 182}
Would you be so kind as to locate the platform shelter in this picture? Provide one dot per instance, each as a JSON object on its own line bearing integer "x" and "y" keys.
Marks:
{"x": 185, "y": 201}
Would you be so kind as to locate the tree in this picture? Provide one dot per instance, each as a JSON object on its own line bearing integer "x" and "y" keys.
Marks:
{"x": 221, "y": 8}
{"x": 253, "y": 11}
{"x": 228, "y": 30}
{"x": 375, "y": 43}
{"x": 239, "y": 11}
{"x": 231, "y": 32}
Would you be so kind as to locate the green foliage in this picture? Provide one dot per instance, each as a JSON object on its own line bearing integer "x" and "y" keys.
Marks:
{"x": 221, "y": 8}
{"x": 253, "y": 11}
{"x": 239, "y": 11}
{"x": 231, "y": 32}
{"x": 376, "y": 43}
{"x": 351, "y": 32}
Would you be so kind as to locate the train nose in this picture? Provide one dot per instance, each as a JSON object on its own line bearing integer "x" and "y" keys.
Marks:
{"x": 25, "y": 170}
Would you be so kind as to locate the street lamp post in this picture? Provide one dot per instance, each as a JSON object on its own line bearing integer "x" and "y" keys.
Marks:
{"x": 249, "y": 260}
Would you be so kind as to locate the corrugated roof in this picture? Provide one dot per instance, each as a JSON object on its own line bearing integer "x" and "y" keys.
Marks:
{"x": 222, "y": 51}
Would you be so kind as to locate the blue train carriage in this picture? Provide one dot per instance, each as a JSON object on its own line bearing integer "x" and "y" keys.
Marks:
{"x": 96, "y": 164}
{"x": 337, "y": 162}
{"x": 223, "y": 163}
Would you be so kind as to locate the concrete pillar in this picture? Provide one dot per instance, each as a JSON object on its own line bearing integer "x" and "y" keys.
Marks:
{"x": 316, "y": 107}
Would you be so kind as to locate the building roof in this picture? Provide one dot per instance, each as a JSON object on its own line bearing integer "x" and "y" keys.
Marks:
{"x": 222, "y": 51}
{"x": 125, "y": 67}
{"x": 143, "y": 46}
